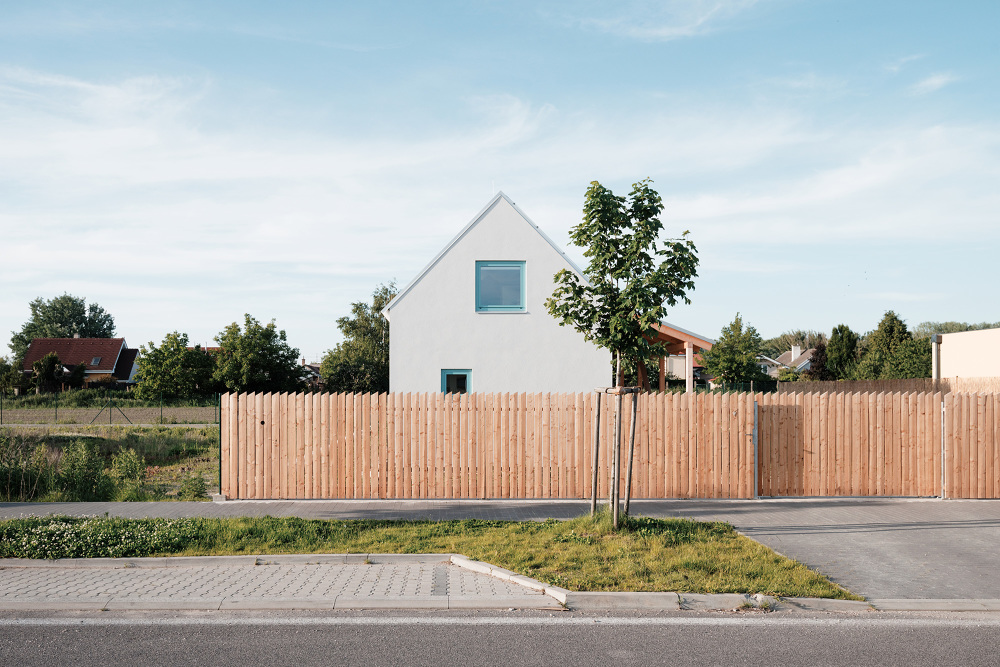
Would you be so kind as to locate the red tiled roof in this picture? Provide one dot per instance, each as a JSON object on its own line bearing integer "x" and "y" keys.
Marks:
{"x": 73, "y": 351}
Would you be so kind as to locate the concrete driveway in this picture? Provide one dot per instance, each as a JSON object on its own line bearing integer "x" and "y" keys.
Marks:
{"x": 882, "y": 548}
{"x": 877, "y": 547}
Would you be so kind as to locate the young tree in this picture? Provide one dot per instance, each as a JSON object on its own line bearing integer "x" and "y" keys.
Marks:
{"x": 360, "y": 363}
{"x": 257, "y": 359}
{"x": 629, "y": 279}
{"x": 173, "y": 370}
{"x": 733, "y": 358}
{"x": 61, "y": 317}
{"x": 842, "y": 352}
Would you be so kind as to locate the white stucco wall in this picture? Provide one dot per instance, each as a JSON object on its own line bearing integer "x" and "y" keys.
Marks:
{"x": 971, "y": 354}
{"x": 435, "y": 326}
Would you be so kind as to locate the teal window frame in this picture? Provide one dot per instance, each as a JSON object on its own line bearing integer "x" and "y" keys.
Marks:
{"x": 445, "y": 372}
{"x": 486, "y": 308}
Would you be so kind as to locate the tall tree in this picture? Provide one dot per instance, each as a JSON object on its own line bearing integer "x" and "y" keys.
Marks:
{"x": 733, "y": 358}
{"x": 928, "y": 329}
{"x": 630, "y": 279}
{"x": 61, "y": 317}
{"x": 880, "y": 346}
{"x": 173, "y": 370}
{"x": 773, "y": 347}
{"x": 911, "y": 359}
{"x": 842, "y": 352}
{"x": 818, "y": 365}
{"x": 360, "y": 363}
{"x": 257, "y": 358}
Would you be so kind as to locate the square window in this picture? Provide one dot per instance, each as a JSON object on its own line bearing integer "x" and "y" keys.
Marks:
{"x": 500, "y": 286}
{"x": 95, "y": 361}
{"x": 456, "y": 380}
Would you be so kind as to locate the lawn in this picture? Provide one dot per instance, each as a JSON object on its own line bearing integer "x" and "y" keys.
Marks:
{"x": 582, "y": 554}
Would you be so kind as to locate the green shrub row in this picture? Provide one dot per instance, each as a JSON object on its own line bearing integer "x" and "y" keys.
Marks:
{"x": 93, "y": 537}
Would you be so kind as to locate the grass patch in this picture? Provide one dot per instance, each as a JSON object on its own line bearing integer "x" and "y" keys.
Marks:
{"x": 582, "y": 554}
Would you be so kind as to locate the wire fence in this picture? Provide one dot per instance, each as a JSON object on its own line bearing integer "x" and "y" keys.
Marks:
{"x": 90, "y": 406}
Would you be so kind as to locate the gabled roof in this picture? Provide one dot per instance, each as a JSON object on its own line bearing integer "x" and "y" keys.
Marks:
{"x": 785, "y": 358}
{"x": 674, "y": 337}
{"x": 465, "y": 230}
{"x": 73, "y": 351}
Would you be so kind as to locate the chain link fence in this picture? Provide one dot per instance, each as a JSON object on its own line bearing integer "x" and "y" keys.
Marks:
{"x": 90, "y": 406}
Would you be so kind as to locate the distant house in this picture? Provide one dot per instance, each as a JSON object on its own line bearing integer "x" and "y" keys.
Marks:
{"x": 795, "y": 359}
{"x": 105, "y": 358}
{"x": 474, "y": 318}
{"x": 312, "y": 376}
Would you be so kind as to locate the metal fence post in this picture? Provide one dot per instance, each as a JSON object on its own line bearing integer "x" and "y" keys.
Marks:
{"x": 756, "y": 459}
{"x": 218, "y": 404}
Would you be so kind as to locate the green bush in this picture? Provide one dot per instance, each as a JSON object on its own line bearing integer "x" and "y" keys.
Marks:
{"x": 81, "y": 474}
{"x": 93, "y": 537}
{"x": 25, "y": 472}
{"x": 126, "y": 466}
{"x": 192, "y": 488}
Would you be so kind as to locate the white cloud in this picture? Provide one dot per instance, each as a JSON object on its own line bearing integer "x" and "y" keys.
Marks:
{"x": 117, "y": 191}
{"x": 897, "y": 65}
{"x": 933, "y": 83}
{"x": 663, "y": 21}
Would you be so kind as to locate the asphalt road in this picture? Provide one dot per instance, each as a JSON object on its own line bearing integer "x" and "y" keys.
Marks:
{"x": 508, "y": 639}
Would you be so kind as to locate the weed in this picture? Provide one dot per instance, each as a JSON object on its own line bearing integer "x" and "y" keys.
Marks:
{"x": 193, "y": 488}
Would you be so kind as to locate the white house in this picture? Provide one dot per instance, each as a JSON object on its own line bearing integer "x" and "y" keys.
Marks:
{"x": 966, "y": 354}
{"x": 474, "y": 319}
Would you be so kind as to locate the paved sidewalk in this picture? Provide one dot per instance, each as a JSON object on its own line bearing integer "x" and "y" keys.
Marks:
{"x": 882, "y": 548}
{"x": 337, "y": 581}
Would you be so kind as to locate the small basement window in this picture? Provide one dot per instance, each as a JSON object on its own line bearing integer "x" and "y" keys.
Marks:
{"x": 456, "y": 380}
{"x": 500, "y": 287}
{"x": 95, "y": 361}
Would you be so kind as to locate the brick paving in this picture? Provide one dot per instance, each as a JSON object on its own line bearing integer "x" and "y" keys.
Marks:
{"x": 259, "y": 583}
{"x": 896, "y": 548}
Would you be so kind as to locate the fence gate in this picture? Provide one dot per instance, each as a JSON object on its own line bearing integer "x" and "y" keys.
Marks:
{"x": 841, "y": 444}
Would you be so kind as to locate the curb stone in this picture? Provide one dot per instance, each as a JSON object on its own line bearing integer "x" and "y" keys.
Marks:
{"x": 574, "y": 600}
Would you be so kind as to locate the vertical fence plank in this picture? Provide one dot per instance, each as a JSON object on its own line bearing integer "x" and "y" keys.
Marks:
{"x": 539, "y": 445}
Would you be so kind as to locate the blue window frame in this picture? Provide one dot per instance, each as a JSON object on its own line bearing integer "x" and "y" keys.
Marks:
{"x": 456, "y": 380}
{"x": 500, "y": 287}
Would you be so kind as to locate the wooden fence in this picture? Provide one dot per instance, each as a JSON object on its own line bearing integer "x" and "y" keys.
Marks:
{"x": 479, "y": 445}
{"x": 540, "y": 445}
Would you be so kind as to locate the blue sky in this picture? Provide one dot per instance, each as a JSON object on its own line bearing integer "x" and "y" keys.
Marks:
{"x": 183, "y": 163}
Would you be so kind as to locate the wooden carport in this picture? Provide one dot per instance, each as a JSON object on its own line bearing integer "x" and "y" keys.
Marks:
{"x": 679, "y": 341}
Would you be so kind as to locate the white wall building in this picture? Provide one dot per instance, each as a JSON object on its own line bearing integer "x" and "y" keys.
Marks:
{"x": 966, "y": 354}
{"x": 474, "y": 319}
